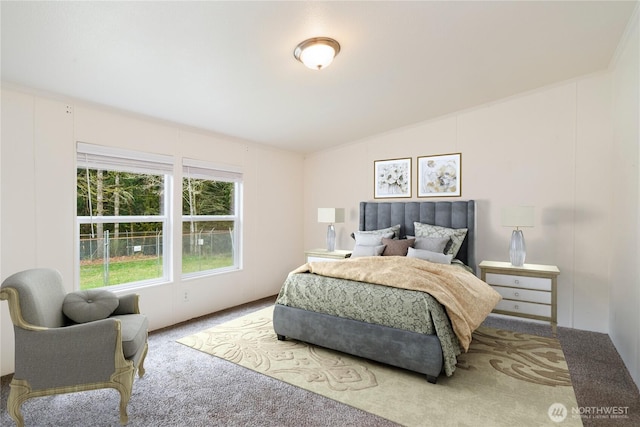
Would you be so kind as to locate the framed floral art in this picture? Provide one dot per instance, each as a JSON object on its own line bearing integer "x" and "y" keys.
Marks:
{"x": 392, "y": 178}
{"x": 439, "y": 176}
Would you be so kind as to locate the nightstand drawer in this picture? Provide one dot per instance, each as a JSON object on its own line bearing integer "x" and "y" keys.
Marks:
{"x": 540, "y": 283}
{"x": 518, "y": 294}
{"x": 524, "y": 308}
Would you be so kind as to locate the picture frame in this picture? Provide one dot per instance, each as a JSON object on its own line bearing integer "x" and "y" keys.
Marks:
{"x": 392, "y": 178}
{"x": 440, "y": 175}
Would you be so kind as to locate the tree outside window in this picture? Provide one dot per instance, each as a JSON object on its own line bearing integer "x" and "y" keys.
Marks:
{"x": 210, "y": 221}
{"x": 122, "y": 225}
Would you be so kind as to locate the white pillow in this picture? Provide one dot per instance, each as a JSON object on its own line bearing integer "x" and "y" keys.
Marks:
{"x": 360, "y": 251}
{"x": 430, "y": 256}
{"x": 371, "y": 239}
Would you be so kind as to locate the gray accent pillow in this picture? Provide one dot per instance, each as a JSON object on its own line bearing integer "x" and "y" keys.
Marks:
{"x": 397, "y": 247}
{"x": 436, "y": 257}
{"x": 393, "y": 229}
{"x": 456, "y": 235}
{"x": 371, "y": 239}
{"x": 360, "y": 251}
{"x": 90, "y": 305}
{"x": 433, "y": 244}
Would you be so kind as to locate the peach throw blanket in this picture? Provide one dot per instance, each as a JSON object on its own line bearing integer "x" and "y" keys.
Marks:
{"x": 467, "y": 299}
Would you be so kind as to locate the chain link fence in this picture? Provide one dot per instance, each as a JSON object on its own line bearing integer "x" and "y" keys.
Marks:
{"x": 124, "y": 244}
{"x": 127, "y": 244}
{"x": 201, "y": 250}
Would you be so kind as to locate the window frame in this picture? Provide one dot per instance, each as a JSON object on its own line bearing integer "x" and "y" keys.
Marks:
{"x": 106, "y": 158}
{"x": 198, "y": 169}
{"x": 96, "y": 157}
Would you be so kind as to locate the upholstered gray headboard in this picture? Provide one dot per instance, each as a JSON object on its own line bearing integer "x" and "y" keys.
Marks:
{"x": 458, "y": 214}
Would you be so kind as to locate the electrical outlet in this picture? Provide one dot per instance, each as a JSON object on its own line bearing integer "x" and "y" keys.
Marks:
{"x": 185, "y": 297}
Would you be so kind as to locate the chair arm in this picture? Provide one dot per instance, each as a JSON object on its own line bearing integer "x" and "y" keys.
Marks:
{"x": 129, "y": 304}
{"x": 67, "y": 356}
{"x": 11, "y": 295}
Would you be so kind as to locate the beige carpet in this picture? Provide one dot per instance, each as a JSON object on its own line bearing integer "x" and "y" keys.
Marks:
{"x": 505, "y": 379}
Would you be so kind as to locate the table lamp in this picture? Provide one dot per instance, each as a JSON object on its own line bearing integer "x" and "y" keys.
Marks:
{"x": 331, "y": 216}
{"x": 517, "y": 216}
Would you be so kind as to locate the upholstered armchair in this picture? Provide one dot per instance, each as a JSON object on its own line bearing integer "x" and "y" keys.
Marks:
{"x": 72, "y": 342}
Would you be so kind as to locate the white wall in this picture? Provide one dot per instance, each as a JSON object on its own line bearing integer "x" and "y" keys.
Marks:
{"x": 549, "y": 148}
{"x": 38, "y": 201}
{"x": 625, "y": 224}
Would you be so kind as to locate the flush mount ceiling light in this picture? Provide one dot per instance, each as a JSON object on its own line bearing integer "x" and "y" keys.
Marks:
{"x": 317, "y": 53}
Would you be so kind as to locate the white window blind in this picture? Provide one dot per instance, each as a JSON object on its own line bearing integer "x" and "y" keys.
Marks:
{"x": 215, "y": 172}
{"x": 117, "y": 159}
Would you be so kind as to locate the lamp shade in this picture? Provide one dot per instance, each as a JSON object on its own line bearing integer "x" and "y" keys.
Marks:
{"x": 517, "y": 216}
{"x": 331, "y": 215}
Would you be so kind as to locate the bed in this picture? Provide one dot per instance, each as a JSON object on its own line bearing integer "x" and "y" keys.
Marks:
{"x": 398, "y": 326}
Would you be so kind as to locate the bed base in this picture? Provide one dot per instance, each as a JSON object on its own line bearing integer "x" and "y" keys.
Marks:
{"x": 405, "y": 349}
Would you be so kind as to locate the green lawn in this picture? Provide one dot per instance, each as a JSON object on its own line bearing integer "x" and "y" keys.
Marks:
{"x": 133, "y": 269}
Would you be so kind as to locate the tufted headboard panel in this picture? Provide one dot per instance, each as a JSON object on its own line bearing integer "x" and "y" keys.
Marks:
{"x": 458, "y": 214}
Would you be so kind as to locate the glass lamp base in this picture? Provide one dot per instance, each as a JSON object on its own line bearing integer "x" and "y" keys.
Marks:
{"x": 517, "y": 249}
{"x": 331, "y": 238}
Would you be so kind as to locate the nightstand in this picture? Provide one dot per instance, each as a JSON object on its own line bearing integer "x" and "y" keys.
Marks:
{"x": 528, "y": 291}
{"x": 316, "y": 255}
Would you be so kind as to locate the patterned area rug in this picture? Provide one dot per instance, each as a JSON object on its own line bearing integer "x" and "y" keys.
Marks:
{"x": 505, "y": 379}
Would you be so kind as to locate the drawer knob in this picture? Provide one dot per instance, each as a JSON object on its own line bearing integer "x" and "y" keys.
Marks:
{"x": 517, "y": 307}
{"x": 516, "y": 294}
{"x": 517, "y": 282}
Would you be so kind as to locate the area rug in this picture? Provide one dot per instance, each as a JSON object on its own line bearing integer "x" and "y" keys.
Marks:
{"x": 505, "y": 379}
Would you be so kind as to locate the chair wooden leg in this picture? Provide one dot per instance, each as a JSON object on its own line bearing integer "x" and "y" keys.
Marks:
{"x": 124, "y": 401}
{"x": 141, "y": 370}
{"x": 123, "y": 382}
{"x": 125, "y": 395}
{"x": 19, "y": 392}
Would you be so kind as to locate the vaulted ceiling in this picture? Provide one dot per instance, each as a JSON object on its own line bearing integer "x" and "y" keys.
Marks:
{"x": 228, "y": 67}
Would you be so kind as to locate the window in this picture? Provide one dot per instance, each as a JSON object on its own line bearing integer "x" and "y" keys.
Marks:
{"x": 122, "y": 216}
{"x": 211, "y": 197}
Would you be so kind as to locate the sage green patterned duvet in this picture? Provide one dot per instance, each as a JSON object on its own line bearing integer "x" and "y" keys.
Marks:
{"x": 383, "y": 305}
